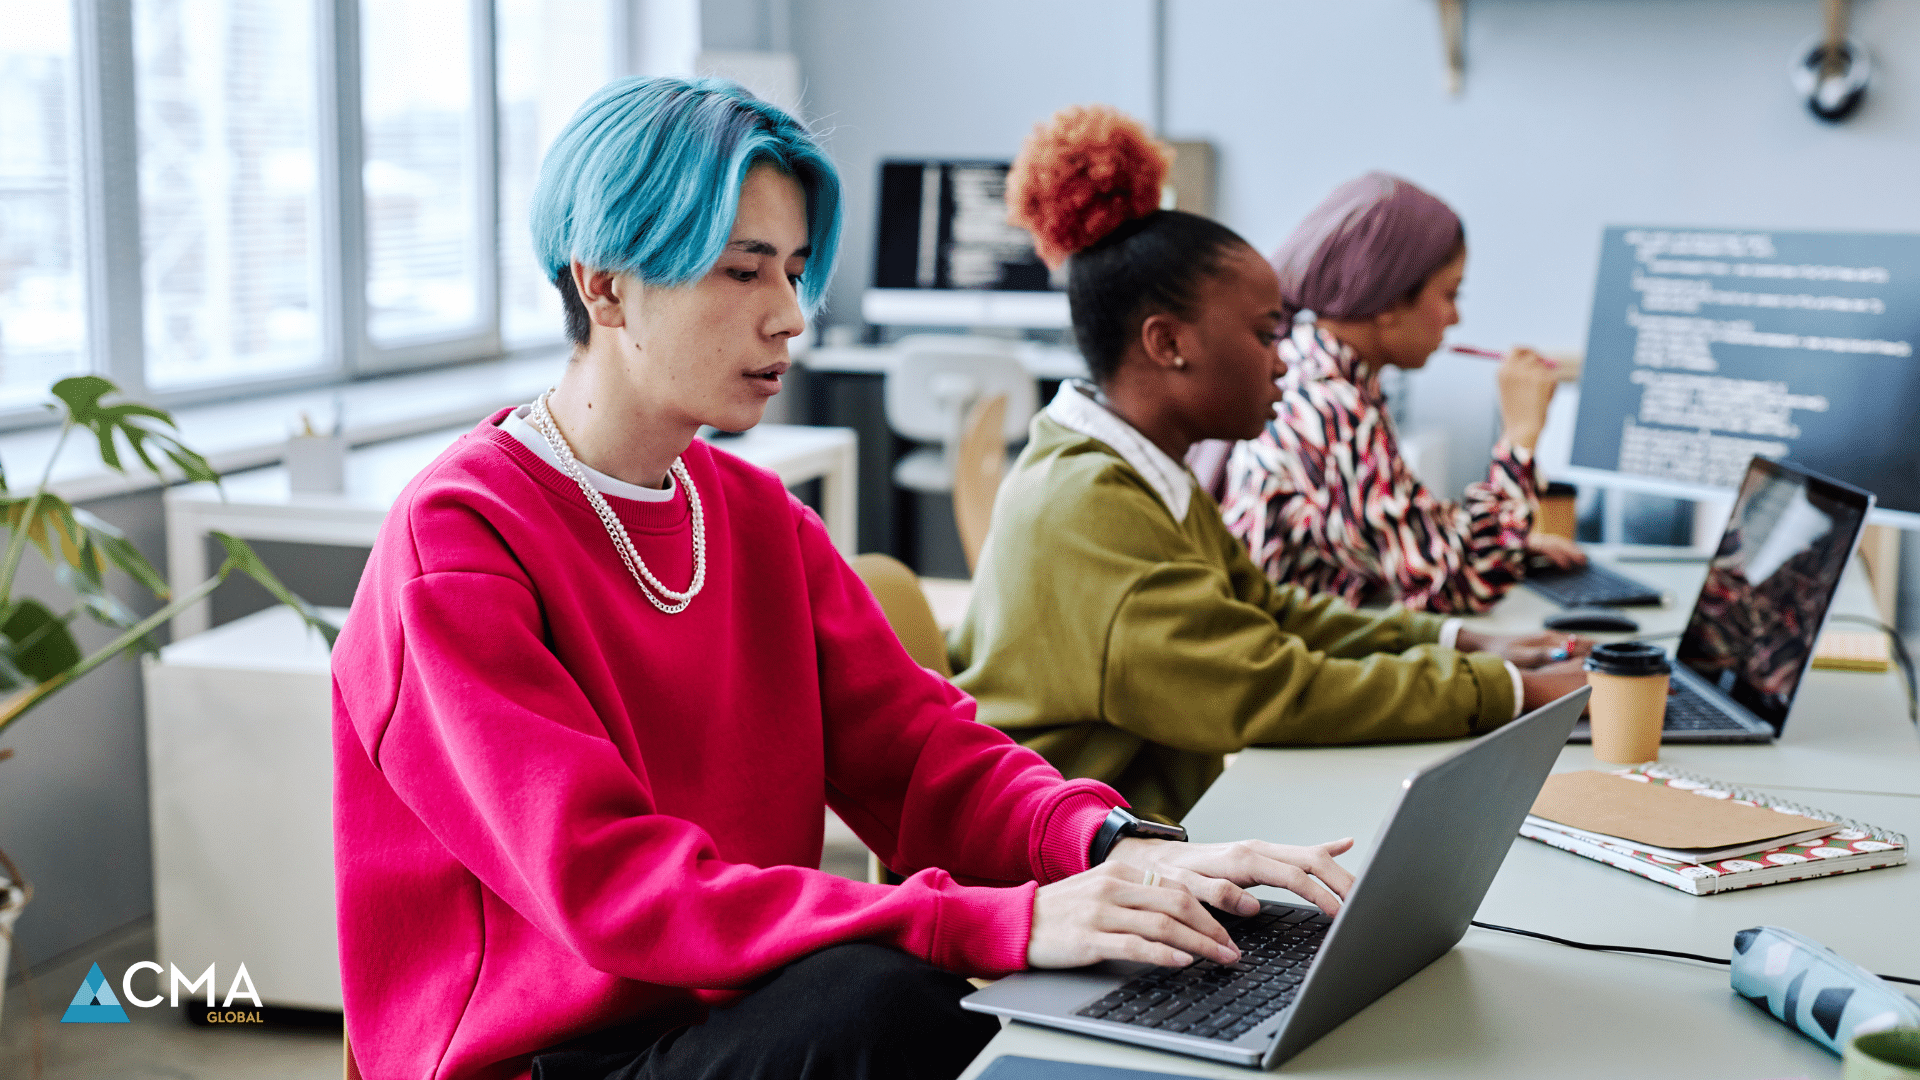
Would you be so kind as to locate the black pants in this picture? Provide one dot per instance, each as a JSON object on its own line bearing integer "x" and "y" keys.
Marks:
{"x": 850, "y": 1011}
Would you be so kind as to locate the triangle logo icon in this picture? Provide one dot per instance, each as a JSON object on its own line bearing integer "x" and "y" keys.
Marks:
{"x": 94, "y": 1002}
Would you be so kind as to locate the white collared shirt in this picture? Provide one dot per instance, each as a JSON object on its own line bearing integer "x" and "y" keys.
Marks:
{"x": 1075, "y": 409}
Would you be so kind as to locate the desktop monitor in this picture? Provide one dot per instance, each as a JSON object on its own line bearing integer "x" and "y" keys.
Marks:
{"x": 1710, "y": 346}
{"x": 944, "y": 254}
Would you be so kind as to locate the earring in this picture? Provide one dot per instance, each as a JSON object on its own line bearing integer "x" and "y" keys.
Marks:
{"x": 1180, "y": 361}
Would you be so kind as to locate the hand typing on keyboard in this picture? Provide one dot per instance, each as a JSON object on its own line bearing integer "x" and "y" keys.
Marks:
{"x": 1555, "y": 550}
{"x": 1144, "y": 902}
{"x": 1526, "y": 650}
{"x": 1223, "y": 1002}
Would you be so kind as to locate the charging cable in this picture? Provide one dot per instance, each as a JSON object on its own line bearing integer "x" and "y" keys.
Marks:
{"x": 1590, "y": 947}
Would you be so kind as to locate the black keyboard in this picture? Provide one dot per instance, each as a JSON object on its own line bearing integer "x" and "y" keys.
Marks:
{"x": 1214, "y": 1001}
{"x": 1688, "y": 711}
{"x": 1591, "y": 585}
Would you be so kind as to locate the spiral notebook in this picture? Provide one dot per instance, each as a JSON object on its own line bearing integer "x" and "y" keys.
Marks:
{"x": 1828, "y": 844}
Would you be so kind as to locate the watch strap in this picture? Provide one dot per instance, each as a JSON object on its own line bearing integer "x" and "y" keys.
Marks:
{"x": 1120, "y": 824}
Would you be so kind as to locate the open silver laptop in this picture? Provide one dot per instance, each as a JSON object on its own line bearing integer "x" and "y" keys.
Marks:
{"x": 1769, "y": 585}
{"x": 1302, "y": 974}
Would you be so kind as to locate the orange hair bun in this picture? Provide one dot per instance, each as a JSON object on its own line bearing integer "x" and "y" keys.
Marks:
{"x": 1082, "y": 174}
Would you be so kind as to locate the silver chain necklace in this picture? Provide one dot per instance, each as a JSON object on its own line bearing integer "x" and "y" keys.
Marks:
{"x": 667, "y": 600}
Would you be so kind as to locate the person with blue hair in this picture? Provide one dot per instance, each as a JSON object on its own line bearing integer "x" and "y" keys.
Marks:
{"x": 601, "y": 680}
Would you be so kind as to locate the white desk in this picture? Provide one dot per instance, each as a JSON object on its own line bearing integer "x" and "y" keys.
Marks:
{"x": 1042, "y": 362}
{"x": 1502, "y": 1006}
{"x": 258, "y": 504}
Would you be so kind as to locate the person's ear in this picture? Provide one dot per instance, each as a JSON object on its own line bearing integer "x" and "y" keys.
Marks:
{"x": 1160, "y": 336}
{"x": 600, "y": 293}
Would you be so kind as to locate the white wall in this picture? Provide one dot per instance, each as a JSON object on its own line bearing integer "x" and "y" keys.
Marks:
{"x": 1576, "y": 114}
{"x": 914, "y": 80}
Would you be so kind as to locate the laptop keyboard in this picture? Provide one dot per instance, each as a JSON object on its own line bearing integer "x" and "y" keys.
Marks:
{"x": 1591, "y": 585}
{"x": 1213, "y": 1001}
{"x": 1687, "y": 711}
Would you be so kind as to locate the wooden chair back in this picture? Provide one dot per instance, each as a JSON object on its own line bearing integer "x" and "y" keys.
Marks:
{"x": 982, "y": 461}
{"x": 898, "y": 590}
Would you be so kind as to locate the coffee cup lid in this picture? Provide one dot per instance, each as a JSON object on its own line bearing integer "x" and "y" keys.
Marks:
{"x": 1627, "y": 658}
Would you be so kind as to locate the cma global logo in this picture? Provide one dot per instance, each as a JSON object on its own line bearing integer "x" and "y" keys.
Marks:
{"x": 95, "y": 1003}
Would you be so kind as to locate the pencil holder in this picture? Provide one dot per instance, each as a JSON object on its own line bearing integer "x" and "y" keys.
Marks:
{"x": 317, "y": 464}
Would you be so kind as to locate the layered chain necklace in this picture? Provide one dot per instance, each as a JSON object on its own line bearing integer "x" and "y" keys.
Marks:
{"x": 667, "y": 600}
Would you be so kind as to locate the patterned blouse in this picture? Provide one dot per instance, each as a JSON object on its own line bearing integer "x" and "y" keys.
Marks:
{"x": 1323, "y": 499}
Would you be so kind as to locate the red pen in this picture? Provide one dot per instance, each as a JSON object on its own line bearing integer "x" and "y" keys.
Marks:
{"x": 1489, "y": 354}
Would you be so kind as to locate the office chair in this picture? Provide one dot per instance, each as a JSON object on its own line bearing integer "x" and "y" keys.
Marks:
{"x": 938, "y": 377}
{"x": 982, "y": 461}
{"x": 897, "y": 589}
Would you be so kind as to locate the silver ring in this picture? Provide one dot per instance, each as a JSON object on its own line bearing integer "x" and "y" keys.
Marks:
{"x": 1151, "y": 879}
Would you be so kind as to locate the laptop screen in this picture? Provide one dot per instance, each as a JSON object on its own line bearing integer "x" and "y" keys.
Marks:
{"x": 1760, "y": 610}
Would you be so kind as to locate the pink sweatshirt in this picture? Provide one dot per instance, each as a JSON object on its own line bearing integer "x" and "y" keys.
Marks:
{"x": 557, "y": 809}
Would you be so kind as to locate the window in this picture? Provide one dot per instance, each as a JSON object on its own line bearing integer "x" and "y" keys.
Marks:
{"x": 420, "y": 173}
{"x": 553, "y": 55}
{"x": 320, "y": 188}
{"x": 229, "y": 188}
{"x": 43, "y": 319}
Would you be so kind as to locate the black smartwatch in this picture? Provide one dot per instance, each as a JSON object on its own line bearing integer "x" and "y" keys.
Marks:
{"x": 1119, "y": 824}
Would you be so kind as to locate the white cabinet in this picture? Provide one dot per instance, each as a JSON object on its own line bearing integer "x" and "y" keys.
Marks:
{"x": 240, "y": 780}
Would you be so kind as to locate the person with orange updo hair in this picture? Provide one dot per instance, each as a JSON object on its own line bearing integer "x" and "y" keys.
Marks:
{"x": 1115, "y": 625}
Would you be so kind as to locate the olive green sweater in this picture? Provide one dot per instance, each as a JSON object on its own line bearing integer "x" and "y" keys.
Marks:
{"x": 1128, "y": 647}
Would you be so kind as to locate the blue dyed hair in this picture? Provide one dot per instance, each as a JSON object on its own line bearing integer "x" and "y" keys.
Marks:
{"x": 645, "y": 180}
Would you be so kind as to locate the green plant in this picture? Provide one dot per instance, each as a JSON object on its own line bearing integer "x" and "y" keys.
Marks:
{"x": 38, "y": 651}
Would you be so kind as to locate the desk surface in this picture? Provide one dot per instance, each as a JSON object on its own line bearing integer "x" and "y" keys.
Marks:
{"x": 1503, "y": 1006}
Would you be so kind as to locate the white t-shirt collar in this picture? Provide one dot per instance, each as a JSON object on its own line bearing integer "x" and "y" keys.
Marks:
{"x": 1078, "y": 408}
{"x": 517, "y": 425}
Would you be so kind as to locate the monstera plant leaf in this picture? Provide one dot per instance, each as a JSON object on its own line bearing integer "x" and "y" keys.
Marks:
{"x": 38, "y": 642}
{"x": 140, "y": 426}
{"x": 241, "y": 557}
{"x": 70, "y": 536}
{"x": 38, "y": 651}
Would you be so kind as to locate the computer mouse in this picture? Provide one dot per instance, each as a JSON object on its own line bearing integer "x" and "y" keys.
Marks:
{"x": 1597, "y": 620}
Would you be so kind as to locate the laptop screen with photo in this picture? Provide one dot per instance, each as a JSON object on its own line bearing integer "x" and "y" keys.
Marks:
{"x": 1768, "y": 586}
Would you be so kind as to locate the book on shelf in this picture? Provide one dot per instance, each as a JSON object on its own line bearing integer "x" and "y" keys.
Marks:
{"x": 1645, "y": 820}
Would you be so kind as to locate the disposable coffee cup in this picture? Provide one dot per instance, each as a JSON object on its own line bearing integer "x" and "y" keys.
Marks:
{"x": 1629, "y": 702}
{"x": 1883, "y": 1055}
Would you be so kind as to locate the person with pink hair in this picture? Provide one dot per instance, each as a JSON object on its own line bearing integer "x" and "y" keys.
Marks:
{"x": 1323, "y": 498}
